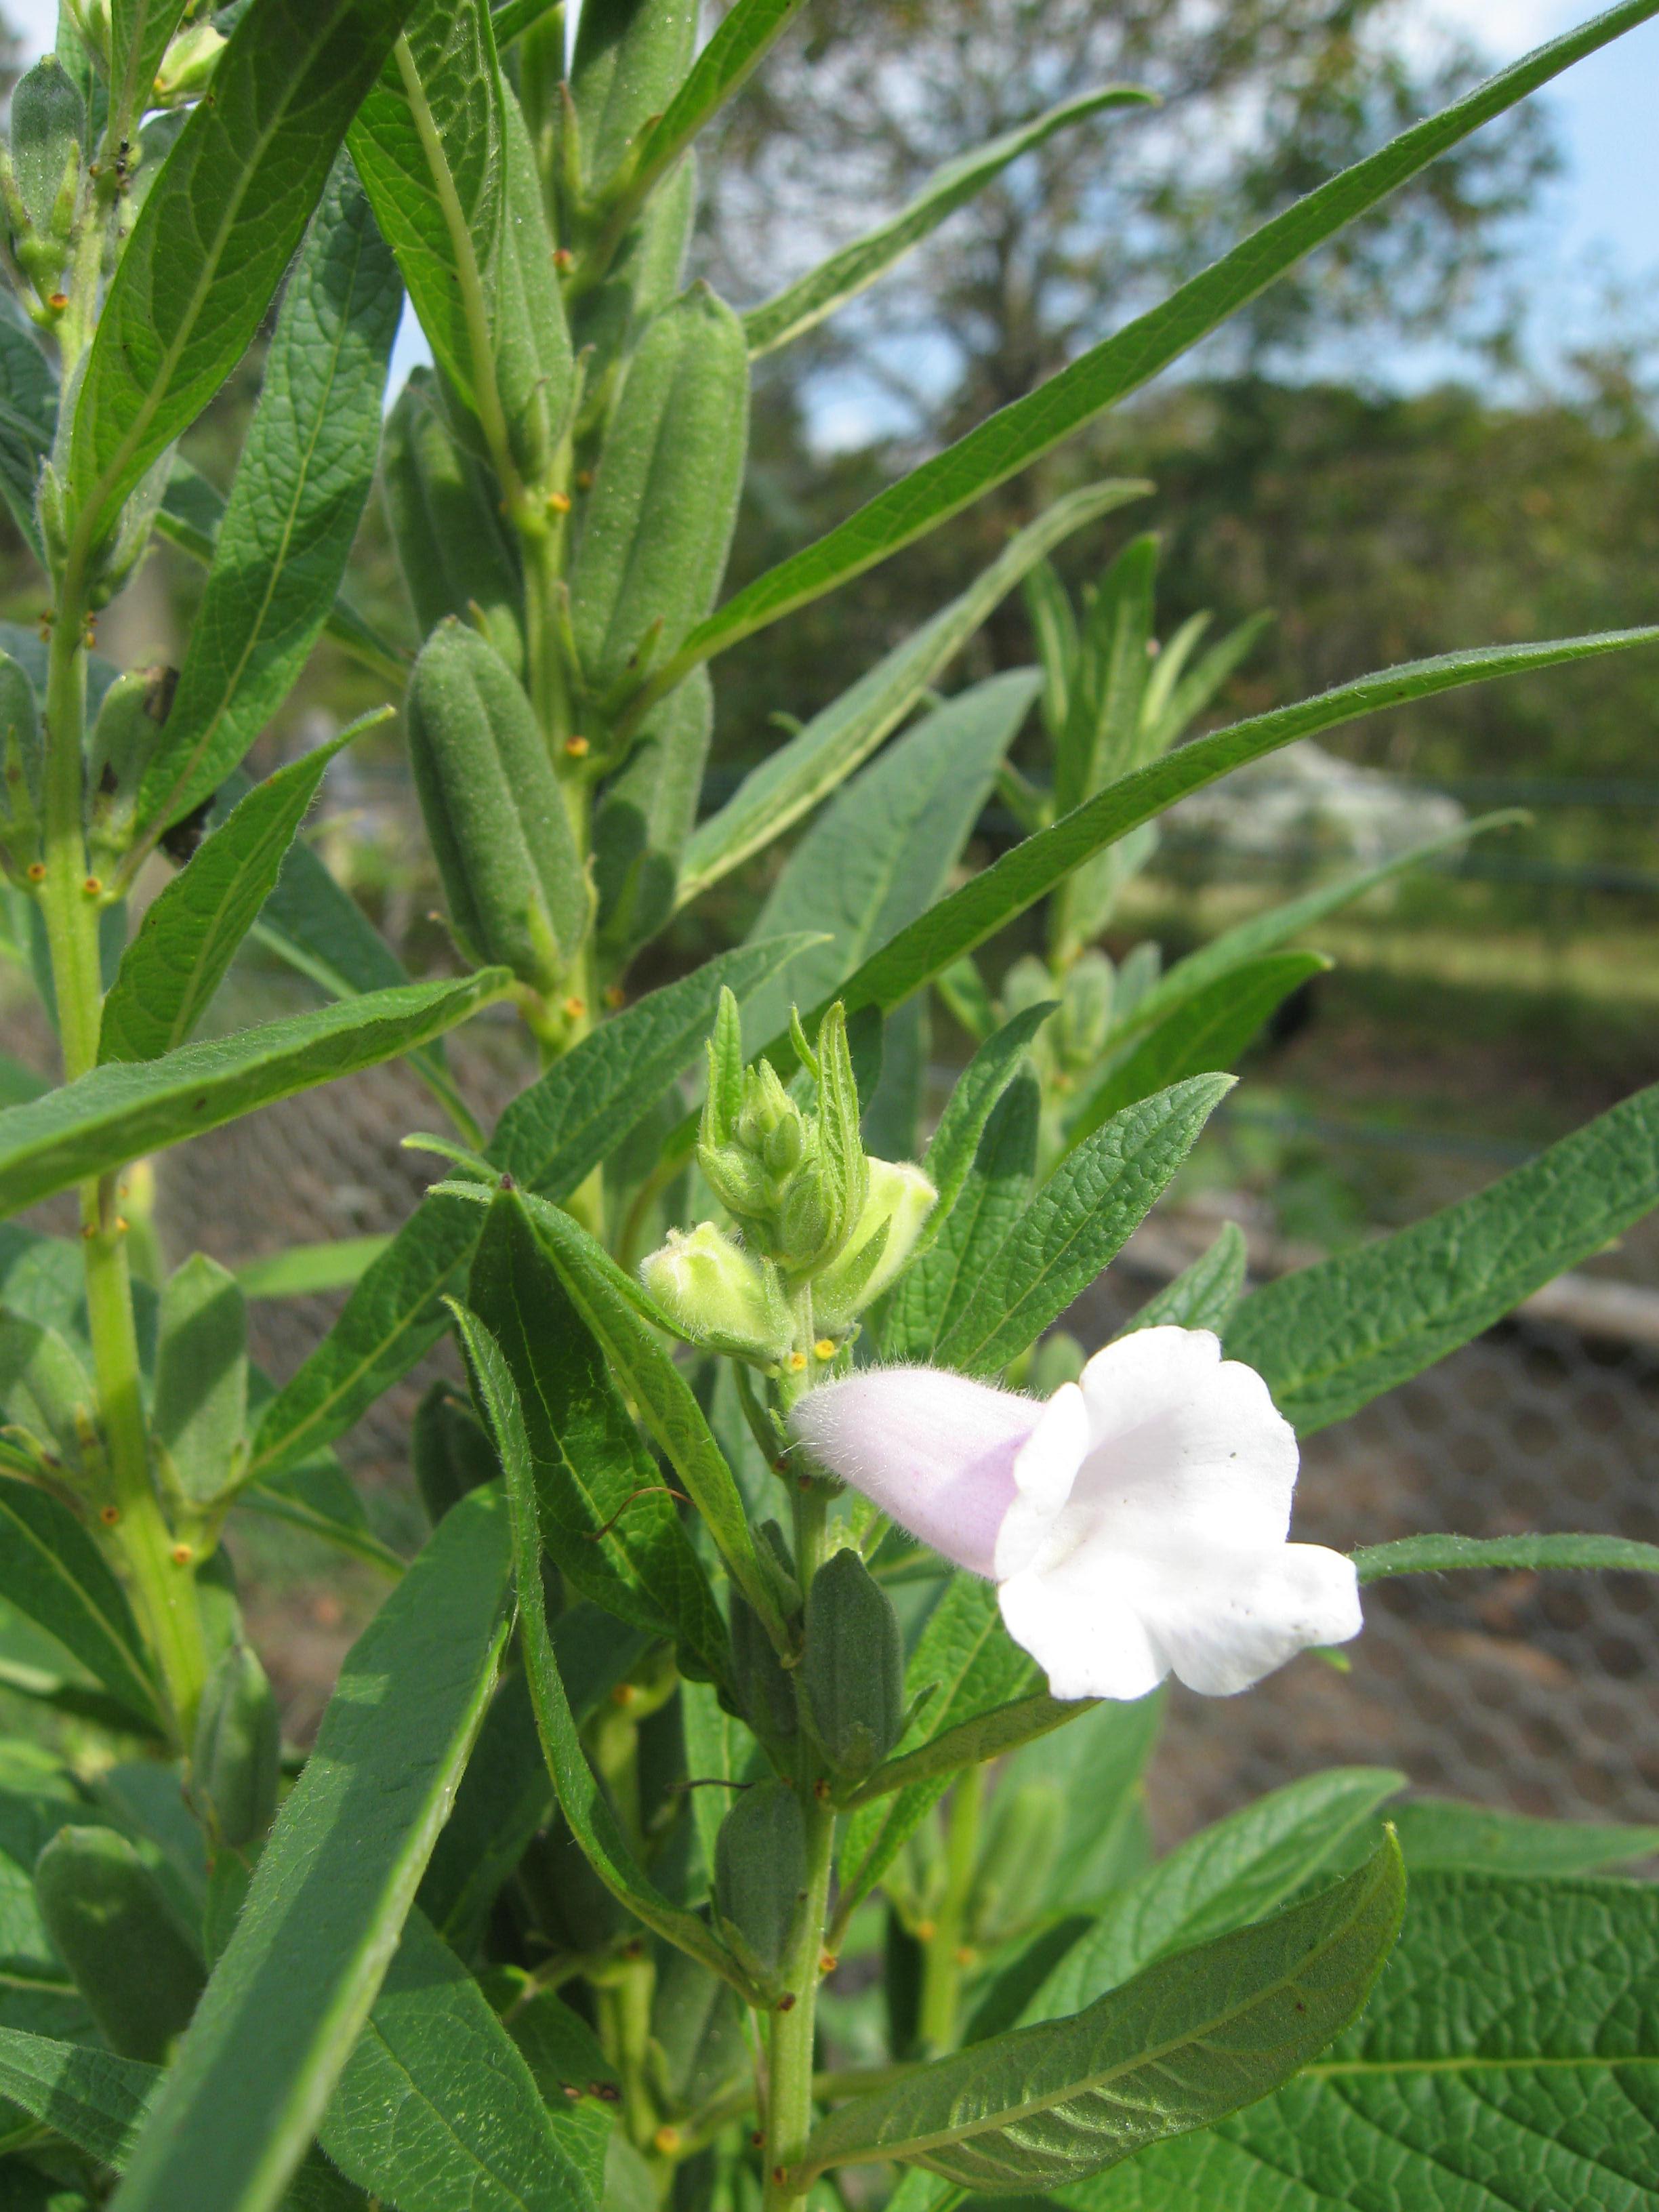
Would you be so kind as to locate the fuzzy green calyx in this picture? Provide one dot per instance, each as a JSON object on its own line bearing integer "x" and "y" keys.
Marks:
{"x": 795, "y": 1180}
{"x": 717, "y": 1295}
{"x": 901, "y": 1198}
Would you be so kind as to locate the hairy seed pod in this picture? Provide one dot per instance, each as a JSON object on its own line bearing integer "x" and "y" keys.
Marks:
{"x": 124, "y": 737}
{"x": 110, "y": 1922}
{"x": 760, "y": 1869}
{"x": 237, "y": 1758}
{"x": 659, "y": 523}
{"x": 645, "y": 815}
{"x": 854, "y": 1669}
{"x": 630, "y": 57}
{"x": 765, "y": 1692}
{"x": 535, "y": 369}
{"x": 516, "y": 890}
{"x": 455, "y": 551}
{"x": 22, "y": 766}
{"x": 48, "y": 132}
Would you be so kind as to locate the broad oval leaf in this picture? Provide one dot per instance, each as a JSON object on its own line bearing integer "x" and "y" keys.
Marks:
{"x": 1188, "y": 2040}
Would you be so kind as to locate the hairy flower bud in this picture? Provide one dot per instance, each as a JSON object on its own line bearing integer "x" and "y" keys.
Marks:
{"x": 896, "y": 1211}
{"x": 716, "y": 1294}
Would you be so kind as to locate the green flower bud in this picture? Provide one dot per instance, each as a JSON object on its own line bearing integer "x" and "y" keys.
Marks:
{"x": 1085, "y": 1011}
{"x": 852, "y": 1670}
{"x": 1027, "y": 983}
{"x": 714, "y": 1294}
{"x": 896, "y": 1211}
{"x": 48, "y": 133}
{"x": 237, "y": 1758}
{"x": 760, "y": 1871}
{"x": 187, "y": 66}
{"x": 22, "y": 760}
{"x": 739, "y": 1183}
{"x": 124, "y": 739}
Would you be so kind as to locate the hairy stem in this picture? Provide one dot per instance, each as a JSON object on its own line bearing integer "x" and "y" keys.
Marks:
{"x": 941, "y": 1979}
{"x": 162, "y": 1582}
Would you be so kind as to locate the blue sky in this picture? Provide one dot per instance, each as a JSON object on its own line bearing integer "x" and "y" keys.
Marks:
{"x": 1600, "y": 218}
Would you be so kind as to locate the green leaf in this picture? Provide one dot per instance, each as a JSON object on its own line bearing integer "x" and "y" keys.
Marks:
{"x": 218, "y": 229}
{"x": 801, "y": 305}
{"x": 1437, "y": 1834}
{"x": 442, "y": 150}
{"x": 790, "y": 781}
{"x": 436, "y": 2108}
{"x": 190, "y": 933}
{"x": 1202, "y": 1296}
{"x": 130, "y": 1106}
{"x": 1208, "y": 1029}
{"x": 583, "y": 1803}
{"x": 332, "y": 1890}
{"x": 1242, "y": 946}
{"x": 1018, "y": 435}
{"x": 95, "y": 2100}
{"x": 304, "y": 1270}
{"x": 884, "y": 850}
{"x": 964, "y": 1664}
{"x": 52, "y": 1570}
{"x": 932, "y": 1296}
{"x": 549, "y": 1139}
{"x": 1331, "y": 1337}
{"x": 200, "y": 1416}
{"x": 295, "y": 501}
{"x": 993, "y": 897}
{"x": 738, "y": 47}
{"x": 1506, "y": 2058}
{"x": 1440, "y": 1555}
{"x": 1078, "y": 1220}
{"x": 139, "y": 32}
{"x": 504, "y": 1798}
{"x": 607, "y": 1521}
{"x": 28, "y": 419}
{"x": 1190, "y": 2040}
{"x": 956, "y": 1142}
{"x": 1223, "y": 1878}
{"x": 617, "y": 1312}
{"x": 988, "y": 1736}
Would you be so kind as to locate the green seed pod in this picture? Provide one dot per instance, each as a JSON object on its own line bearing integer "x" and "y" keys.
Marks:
{"x": 760, "y": 1870}
{"x": 764, "y": 1690}
{"x": 237, "y": 1757}
{"x": 853, "y": 1667}
{"x": 1027, "y": 1824}
{"x": 659, "y": 521}
{"x": 451, "y": 1452}
{"x": 22, "y": 763}
{"x": 645, "y": 813}
{"x": 535, "y": 369}
{"x": 631, "y": 56}
{"x": 516, "y": 890}
{"x": 453, "y": 548}
{"x": 108, "y": 1917}
{"x": 48, "y": 134}
{"x": 125, "y": 738}
{"x": 647, "y": 274}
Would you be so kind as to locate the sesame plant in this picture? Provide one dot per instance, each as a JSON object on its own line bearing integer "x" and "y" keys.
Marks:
{"x": 737, "y": 1799}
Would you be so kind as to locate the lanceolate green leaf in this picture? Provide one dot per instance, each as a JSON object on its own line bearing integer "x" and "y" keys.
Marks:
{"x": 956, "y": 1141}
{"x": 1077, "y": 1221}
{"x": 614, "y": 1307}
{"x": 295, "y": 504}
{"x": 190, "y": 933}
{"x": 607, "y": 1519}
{"x": 28, "y": 417}
{"x": 988, "y": 1736}
{"x": 1033, "y": 868}
{"x": 738, "y": 47}
{"x": 55, "y": 1577}
{"x": 330, "y": 1895}
{"x": 883, "y": 851}
{"x": 584, "y": 1804}
{"x": 827, "y": 288}
{"x": 1209, "y": 1030}
{"x": 1438, "y": 1834}
{"x": 1331, "y": 1337}
{"x": 127, "y": 1108}
{"x": 1020, "y": 433}
{"x": 1204, "y": 1295}
{"x": 436, "y": 2108}
{"x": 1227, "y": 1875}
{"x": 218, "y": 228}
{"x": 1190, "y": 2040}
{"x": 92, "y": 2099}
{"x": 548, "y": 1139}
{"x": 1442, "y": 1555}
{"x": 302, "y": 1270}
{"x": 139, "y": 32}
{"x": 790, "y": 781}
{"x": 1508, "y": 2057}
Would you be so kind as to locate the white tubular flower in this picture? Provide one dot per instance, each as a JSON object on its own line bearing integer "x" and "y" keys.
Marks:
{"x": 1136, "y": 1524}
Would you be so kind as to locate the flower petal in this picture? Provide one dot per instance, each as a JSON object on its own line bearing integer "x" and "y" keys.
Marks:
{"x": 1088, "y": 1641}
{"x": 1222, "y": 1622}
{"x": 934, "y": 1450}
{"x": 1045, "y": 1472}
